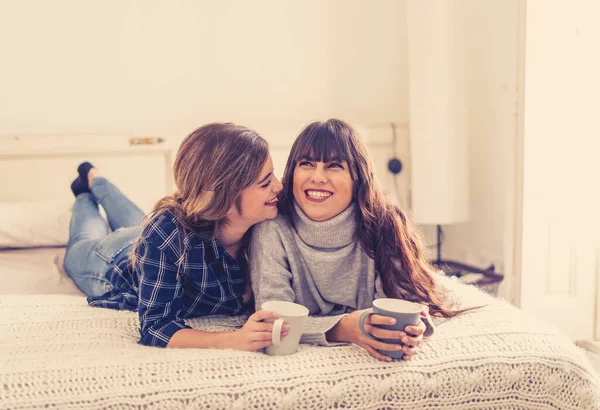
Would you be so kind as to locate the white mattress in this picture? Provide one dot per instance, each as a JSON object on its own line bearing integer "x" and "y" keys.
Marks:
{"x": 35, "y": 272}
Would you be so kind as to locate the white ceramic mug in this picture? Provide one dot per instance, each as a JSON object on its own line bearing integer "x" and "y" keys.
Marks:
{"x": 292, "y": 314}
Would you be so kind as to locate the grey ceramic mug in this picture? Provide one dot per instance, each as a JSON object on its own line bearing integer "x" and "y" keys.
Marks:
{"x": 406, "y": 314}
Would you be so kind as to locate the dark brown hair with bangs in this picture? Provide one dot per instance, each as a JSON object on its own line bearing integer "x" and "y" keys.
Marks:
{"x": 324, "y": 142}
{"x": 384, "y": 231}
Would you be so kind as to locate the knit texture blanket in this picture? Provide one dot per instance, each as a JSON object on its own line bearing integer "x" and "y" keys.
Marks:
{"x": 57, "y": 352}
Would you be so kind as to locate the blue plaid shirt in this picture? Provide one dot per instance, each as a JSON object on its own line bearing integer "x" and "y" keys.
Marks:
{"x": 209, "y": 281}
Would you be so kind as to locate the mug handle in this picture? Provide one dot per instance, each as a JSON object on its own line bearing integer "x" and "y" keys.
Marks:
{"x": 361, "y": 322}
{"x": 276, "y": 335}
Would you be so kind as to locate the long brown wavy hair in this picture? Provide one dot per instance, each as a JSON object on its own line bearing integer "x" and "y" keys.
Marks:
{"x": 384, "y": 231}
{"x": 214, "y": 164}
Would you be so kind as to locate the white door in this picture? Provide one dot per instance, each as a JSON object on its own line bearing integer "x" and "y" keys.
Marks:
{"x": 561, "y": 165}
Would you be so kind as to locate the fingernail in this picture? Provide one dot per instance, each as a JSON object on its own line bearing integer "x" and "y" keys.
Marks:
{"x": 401, "y": 334}
{"x": 405, "y": 339}
{"x": 286, "y": 327}
{"x": 388, "y": 359}
{"x": 397, "y": 347}
{"x": 392, "y": 321}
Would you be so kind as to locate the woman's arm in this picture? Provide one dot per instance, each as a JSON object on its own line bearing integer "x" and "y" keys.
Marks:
{"x": 160, "y": 290}
{"x": 254, "y": 335}
{"x": 199, "y": 339}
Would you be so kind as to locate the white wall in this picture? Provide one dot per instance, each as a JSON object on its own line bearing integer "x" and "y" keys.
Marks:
{"x": 369, "y": 69}
{"x": 161, "y": 67}
{"x": 158, "y": 67}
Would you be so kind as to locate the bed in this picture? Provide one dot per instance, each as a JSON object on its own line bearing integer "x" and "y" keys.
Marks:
{"x": 57, "y": 352}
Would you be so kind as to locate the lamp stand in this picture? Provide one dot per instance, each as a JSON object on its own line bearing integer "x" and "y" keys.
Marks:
{"x": 454, "y": 268}
{"x": 439, "y": 244}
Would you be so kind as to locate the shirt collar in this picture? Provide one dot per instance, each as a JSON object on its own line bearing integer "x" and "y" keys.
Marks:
{"x": 213, "y": 250}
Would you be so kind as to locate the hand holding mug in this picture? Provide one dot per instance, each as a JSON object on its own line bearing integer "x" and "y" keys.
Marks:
{"x": 414, "y": 334}
{"x": 257, "y": 334}
{"x": 348, "y": 330}
{"x": 397, "y": 323}
{"x": 291, "y": 316}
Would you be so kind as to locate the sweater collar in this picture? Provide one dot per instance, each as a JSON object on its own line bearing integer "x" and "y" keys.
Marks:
{"x": 336, "y": 232}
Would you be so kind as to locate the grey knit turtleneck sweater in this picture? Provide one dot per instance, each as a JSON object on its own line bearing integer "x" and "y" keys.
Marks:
{"x": 317, "y": 264}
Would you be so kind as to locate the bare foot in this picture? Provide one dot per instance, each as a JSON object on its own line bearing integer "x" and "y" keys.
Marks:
{"x": 93, "y": 173}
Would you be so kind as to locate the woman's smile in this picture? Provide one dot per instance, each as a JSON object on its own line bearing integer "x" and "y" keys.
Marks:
{"x": 271, "y": 202}
{"x": 318, "y": 195}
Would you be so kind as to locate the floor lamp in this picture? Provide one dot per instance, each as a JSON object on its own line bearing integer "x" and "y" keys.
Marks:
{"x": 437, "y": 120}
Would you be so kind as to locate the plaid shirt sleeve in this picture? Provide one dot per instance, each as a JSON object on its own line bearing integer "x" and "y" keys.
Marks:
{"x": 160, "y": 288}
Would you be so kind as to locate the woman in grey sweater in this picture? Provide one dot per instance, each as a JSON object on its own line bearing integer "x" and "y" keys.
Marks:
{"x": 338, "y": 244}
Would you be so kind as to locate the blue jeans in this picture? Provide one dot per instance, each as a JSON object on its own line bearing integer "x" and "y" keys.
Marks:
{"x": 92, "y": 250}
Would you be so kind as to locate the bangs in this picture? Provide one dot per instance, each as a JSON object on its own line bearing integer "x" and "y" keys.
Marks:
{"x": 323, "y": 144}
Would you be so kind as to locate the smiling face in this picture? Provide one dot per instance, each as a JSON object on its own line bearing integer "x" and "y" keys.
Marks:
{"x": 322, "y": 189}
{"x": 258, "y": 201}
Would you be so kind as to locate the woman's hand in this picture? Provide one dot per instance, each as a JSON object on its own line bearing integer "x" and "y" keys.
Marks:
{"x": 256, "y": 334}
{"x": 414, "y": 335}
{"x": 347, "y": 330}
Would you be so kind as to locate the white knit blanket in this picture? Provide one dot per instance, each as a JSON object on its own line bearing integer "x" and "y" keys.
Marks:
{"x": 56, "y": 352}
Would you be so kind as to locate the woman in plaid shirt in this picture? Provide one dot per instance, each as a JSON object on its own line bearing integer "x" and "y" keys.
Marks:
{"x": 189, "y": 257}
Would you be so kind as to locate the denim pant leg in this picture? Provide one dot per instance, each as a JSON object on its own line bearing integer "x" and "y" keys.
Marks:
{"x": 120, "y": 211}
{"x": 86, "y": 230}
{"x": 87, "y": 262}
{"x": 87, "y": 270}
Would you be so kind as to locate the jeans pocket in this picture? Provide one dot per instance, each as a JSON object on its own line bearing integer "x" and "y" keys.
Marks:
{"x": 115, "y": 242}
